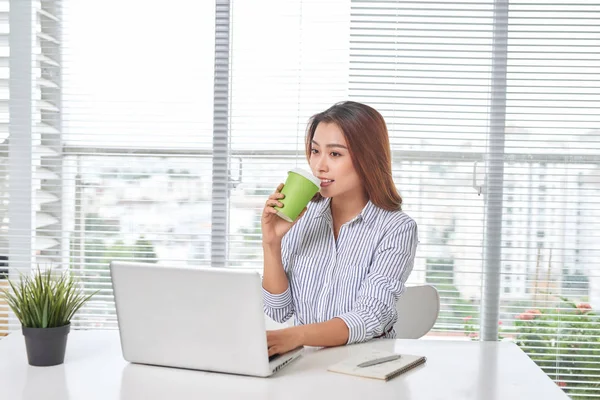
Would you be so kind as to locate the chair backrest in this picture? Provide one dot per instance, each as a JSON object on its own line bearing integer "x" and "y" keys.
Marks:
{"x": 418, "y": 308}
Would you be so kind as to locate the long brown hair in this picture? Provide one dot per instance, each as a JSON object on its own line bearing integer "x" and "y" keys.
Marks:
{"x": 366, "y": 133}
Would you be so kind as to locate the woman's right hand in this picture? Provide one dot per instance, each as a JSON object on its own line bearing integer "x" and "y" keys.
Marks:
{"x": 273, "y": 227}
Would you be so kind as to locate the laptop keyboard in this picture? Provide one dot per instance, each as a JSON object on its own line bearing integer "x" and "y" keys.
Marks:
{"x": 274, "y": 357}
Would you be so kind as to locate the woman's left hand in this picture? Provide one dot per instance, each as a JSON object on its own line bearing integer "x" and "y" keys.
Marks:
{"x": 283, "y": 340}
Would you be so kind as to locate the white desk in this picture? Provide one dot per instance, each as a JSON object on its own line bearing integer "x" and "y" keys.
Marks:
{"x": 95, "y": 369}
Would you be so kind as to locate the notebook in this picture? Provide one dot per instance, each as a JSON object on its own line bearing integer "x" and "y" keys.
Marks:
{"x": 385, "y": 371}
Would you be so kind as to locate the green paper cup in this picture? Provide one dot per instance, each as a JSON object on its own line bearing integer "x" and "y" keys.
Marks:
{"x": 300, "y": 186}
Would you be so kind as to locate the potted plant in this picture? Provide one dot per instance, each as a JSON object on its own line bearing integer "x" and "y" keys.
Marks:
{"x": 44, "y": 303}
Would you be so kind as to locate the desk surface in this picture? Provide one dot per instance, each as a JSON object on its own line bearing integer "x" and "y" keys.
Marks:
{"x": 94, "y": 369}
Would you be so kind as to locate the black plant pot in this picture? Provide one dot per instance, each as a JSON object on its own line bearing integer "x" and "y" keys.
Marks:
{"x": 46, "y": 346}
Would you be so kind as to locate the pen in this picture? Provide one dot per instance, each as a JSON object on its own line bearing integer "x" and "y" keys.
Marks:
{"x": 378, "y": 361}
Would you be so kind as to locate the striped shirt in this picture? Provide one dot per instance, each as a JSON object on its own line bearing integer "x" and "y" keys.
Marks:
{"x": 358, "y": 277}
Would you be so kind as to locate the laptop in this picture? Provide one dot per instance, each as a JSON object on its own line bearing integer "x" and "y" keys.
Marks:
{"x": 208, "y": 319}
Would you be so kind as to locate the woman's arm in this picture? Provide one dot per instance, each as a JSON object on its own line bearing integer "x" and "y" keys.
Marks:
{"x": 273, "y": 230}
{"x": 277, "y": 297}
{"x": 330, "y": 333}
{"x": 276, "y": 291}
{"x": 275, "y": 280}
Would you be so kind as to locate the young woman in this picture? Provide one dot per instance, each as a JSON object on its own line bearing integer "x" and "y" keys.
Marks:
{"x": 341, "y": 266}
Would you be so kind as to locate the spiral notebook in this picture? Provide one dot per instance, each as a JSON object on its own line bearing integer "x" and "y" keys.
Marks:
{"x": 385, "y": 371}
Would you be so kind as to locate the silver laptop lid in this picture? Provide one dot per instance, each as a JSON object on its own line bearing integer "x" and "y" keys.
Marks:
{"x": 198, "y": 318}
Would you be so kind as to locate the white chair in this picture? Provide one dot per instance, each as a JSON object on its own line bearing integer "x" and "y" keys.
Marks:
{"x": 418, "y": 308}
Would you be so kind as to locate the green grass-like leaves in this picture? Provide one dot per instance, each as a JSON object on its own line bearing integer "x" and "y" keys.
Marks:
{"x": 45, "y": 299}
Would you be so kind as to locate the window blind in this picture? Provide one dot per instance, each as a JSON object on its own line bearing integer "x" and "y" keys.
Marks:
{"x": 552, "y": 118}
{"x": 114, "y": 159}
{"x": 278, "y": 81}
{"x": 427, "y": 66}
{"x": 139, "y": 137}
{"x": 493, "y": 107}
{"x": 4, "y": 96}
{"x": 31, "y": 148}
{"x": 160, "y": 140}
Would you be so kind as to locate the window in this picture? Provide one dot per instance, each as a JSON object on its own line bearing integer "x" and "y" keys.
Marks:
{"x": 138, "y": 154}
{"x": 440, "y": 271}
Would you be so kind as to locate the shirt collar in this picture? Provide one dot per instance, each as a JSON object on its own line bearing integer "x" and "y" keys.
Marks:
{"x": 368, "y": 213}
{"x": 323, "y": 209}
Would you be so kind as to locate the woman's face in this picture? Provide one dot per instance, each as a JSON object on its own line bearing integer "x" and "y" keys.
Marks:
{"x": 330, "y": 162}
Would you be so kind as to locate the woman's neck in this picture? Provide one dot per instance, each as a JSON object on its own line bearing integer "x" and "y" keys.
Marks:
{"x": 344, "y": 208}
